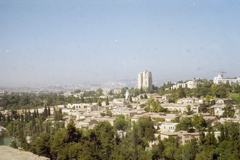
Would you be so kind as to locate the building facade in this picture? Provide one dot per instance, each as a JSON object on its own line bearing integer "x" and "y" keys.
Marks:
{"x": 220, "y": 80}
{"x": 189, "y": 84}
{"x": 145, "y": 80}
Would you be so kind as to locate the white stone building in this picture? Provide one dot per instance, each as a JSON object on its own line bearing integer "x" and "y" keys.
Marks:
{"x": 220, "y": 80}
{"x": 218, "y": 109}
{"x": 76, "y": 106}
{"x": 182, "y": 136}
{"x": 168, "y": 127}
{"x": 145, "y": 80}
{"x": 224, "y": 101}
{"x": 189, "y": 84}
{"x": 118, "y": 101}
{"x": 196, "y": 108}
{"x": 167, "y": 96}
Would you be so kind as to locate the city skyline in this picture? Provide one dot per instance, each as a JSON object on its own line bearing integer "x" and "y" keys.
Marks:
{"x": 70, "y": 42}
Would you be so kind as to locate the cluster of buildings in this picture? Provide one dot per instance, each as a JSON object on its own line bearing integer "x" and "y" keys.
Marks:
{"x": 217, "y": 80}
{"x": 189, "y": 84}
{"x": 220, "y": 80}
{"x": 87, "y": 115}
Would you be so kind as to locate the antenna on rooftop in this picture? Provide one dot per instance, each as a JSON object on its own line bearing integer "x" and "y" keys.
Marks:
{"x": 221, "y": 72}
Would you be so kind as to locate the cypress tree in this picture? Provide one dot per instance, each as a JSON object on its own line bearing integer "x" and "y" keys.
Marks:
{"x": 34, "y": 114}
{"x": 130, "y": 98}
{"x": 49, "y": 111}
{"x": 22, "y": 118}
{"x": 107, "y": 101}
{"x": 82, "y": 99}
{"x": 45, "y": 112}
{"x": 26, "y": 116}
{"x": 37, "y": 114}
{"x": 181, "y": 93}
{"x": 3, "y": 118}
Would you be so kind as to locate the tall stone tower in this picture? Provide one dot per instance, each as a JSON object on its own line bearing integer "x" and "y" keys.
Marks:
{"x": 145, "y": 80}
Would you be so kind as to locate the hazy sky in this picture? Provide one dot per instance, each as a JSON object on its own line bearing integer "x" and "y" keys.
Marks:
{"x": 63, "y": 42}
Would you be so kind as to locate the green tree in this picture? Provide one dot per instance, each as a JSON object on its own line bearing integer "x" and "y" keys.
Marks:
{"x": 41, "y": 145}
{"x": 13, "y": 144}
{"x": 130, "y": 98}
{"x": 208, "y": 98}
{"x": 224, "y": 149}
{"x": 185, "y": 124}
{"x": 107, "y": 101}
{"x": 154, "y": 106}
{"x": 77, "y": 91}
{"x": 221, "y": 92}
{"x": 103, "y": 114}
{"x": 146, "y": 128}
{"x": 105, "y": 139}
{"x": 157, "y": 150}
{"x": 170, "y": 148}
{"x": 109, "y": 113}
{"x": 23, "y": 142}
{"x": 14, "y": 114}
{"x": 198, "y": 122}
{"x": 58, "y": 141}
{"x": 58, "y": 114}
{"x": 181, "y": 92}
{"x": 228, "y": 111}
{"x": 73, "y": 135}
{"x": 145, "y": 96}
{"x": 24, "y": 100}
{"x": 99, "y": 92}
{"x": 121, "y": 123}
{"x": 187, "y": 151}
{"x": 135, "y": 138}
{"x": 99, "y": 102}
{"x": 188, "y": 107}
{"x": 210, "y": 139}
{"x": 48, "y": 111}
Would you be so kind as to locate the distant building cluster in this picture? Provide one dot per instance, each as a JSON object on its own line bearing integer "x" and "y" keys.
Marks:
{"x": 145, "y": 80}
{"x": 189, "y": 84}
{"x": 220, "y": 80}
{"x": 87, "y": 115}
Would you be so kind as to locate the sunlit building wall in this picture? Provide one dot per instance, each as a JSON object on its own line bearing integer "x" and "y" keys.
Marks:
{"x": 145, "y": 80}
